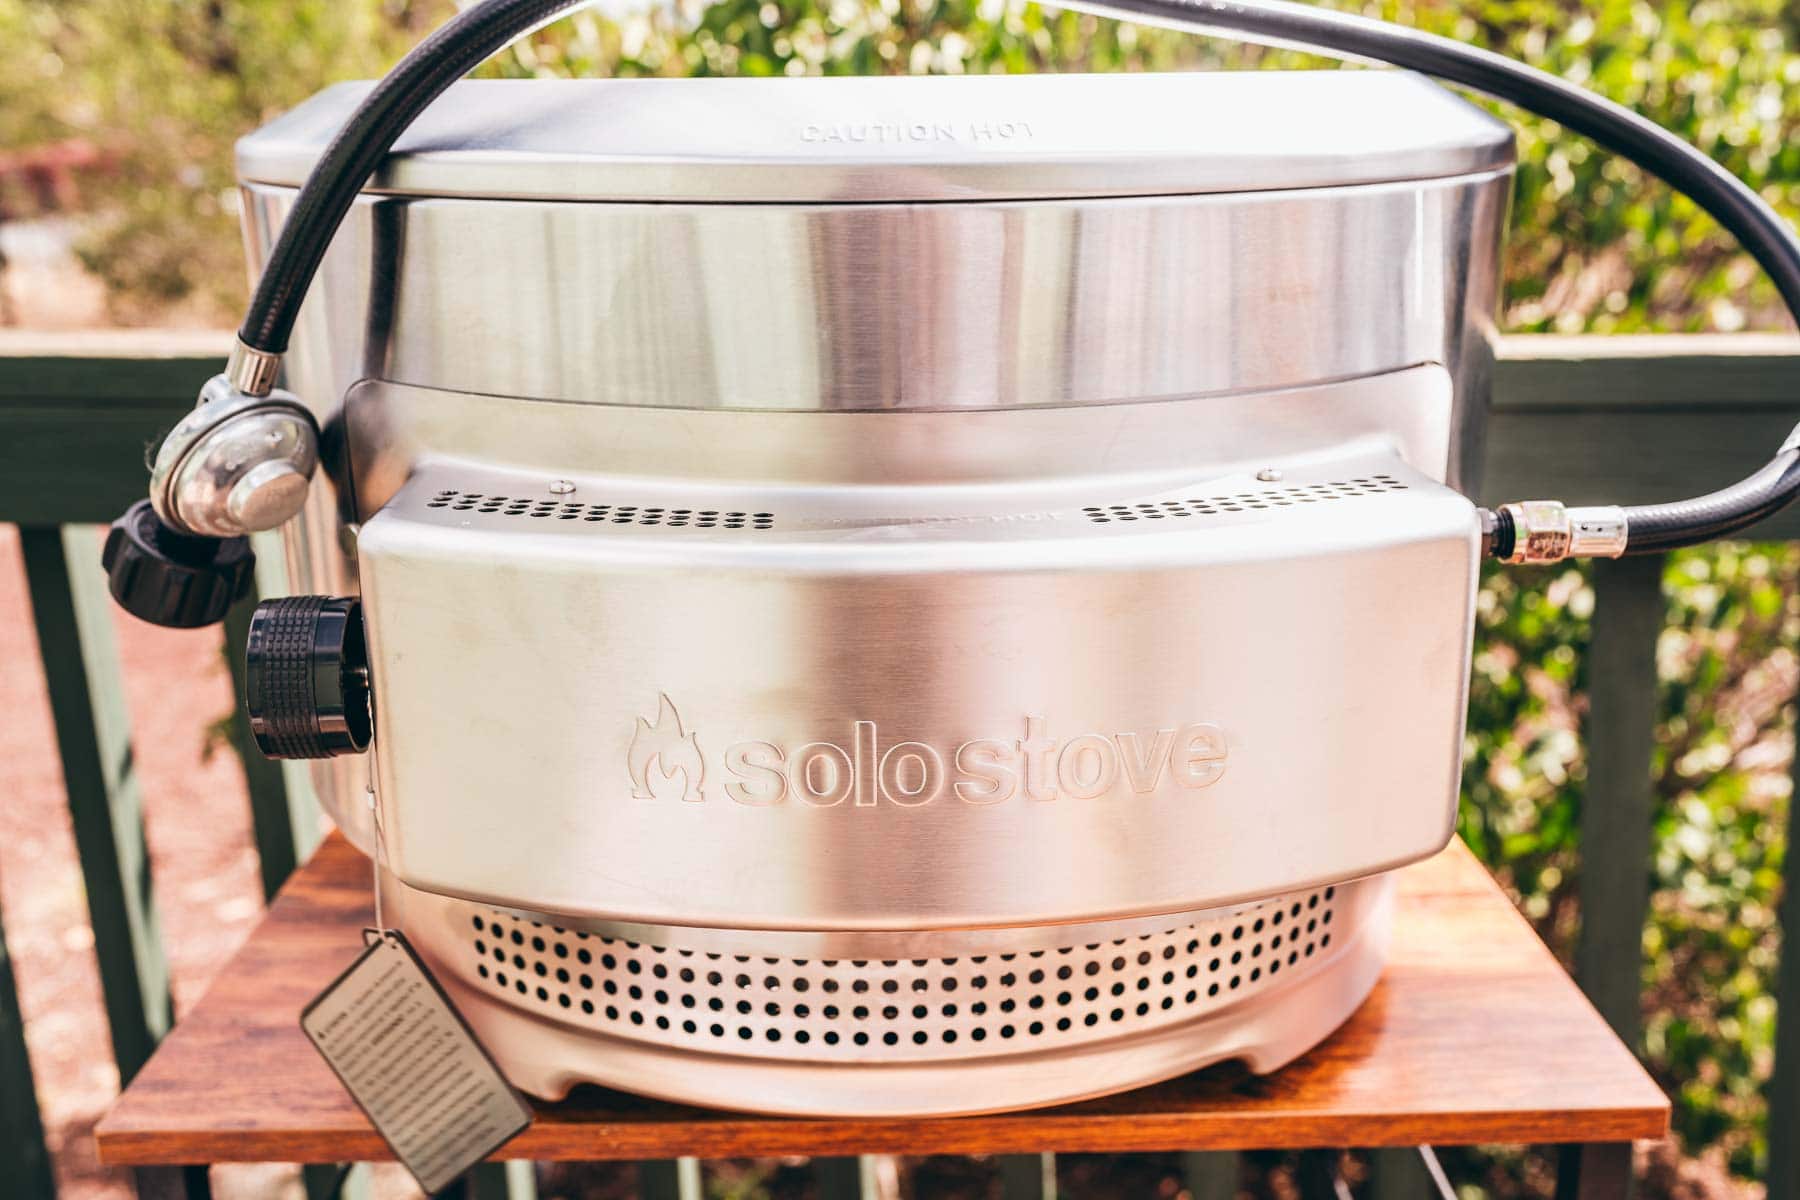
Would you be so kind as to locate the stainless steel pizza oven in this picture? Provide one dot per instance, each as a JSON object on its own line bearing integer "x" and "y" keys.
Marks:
{"x": 894, "y": 596}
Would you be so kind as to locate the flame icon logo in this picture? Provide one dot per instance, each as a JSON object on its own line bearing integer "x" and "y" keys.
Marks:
{"x": 673, "y": 751}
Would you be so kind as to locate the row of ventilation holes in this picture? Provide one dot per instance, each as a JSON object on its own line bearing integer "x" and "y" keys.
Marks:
{"x": 1342, "y": 489}
{"x": 617, "y": 514}
{"x": 560, "y": 981}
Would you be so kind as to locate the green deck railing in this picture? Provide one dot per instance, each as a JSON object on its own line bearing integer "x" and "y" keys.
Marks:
{"x": 1585, "y": 419}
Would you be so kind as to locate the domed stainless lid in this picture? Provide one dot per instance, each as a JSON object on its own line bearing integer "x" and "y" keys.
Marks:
{"x": 900, "y": 138}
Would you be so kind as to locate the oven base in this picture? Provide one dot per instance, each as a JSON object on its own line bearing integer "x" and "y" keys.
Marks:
{"x": 1279, "y": 1022}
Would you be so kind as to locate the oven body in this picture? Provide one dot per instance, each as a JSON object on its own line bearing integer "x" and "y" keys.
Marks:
{"x": 856, "y": 588}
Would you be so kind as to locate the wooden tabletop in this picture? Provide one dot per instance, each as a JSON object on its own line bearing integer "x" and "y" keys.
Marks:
{"x": 1474, "y": 1035}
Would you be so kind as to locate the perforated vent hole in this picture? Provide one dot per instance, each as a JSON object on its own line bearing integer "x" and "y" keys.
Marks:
{"x": 907, "y": 1009}
{"x": 613, "y": 514}
{"x": 1269, "y": 498}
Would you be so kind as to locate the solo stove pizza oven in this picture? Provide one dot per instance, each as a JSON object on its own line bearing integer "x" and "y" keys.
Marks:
{"x": 884, "y": 596}
{"x": 894, "y": 596}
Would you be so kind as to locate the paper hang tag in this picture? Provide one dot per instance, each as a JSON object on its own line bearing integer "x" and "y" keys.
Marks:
{"x": 412, "y": 1063}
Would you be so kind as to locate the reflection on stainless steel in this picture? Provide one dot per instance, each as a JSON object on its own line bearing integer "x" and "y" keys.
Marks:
{"x": 920, "y": 307}
{"x": 1025, "y": 459}
{"x": 783, "y": 536}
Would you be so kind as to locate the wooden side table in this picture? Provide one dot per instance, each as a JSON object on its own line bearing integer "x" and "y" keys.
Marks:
{"x": 1475, "y": 1035}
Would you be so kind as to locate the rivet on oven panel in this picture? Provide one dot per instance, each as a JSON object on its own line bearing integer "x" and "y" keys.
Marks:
{"x": 1268, "y": 475}
{"x": 561, "y": 487}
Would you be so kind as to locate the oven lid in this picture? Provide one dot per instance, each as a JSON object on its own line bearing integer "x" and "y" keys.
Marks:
{"x": 906, "y": 139}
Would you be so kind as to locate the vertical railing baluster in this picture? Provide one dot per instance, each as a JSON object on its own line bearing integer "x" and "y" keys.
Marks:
{"x": 1616, "y": 811}
{"x": 670, "y": 1179}
{"x": 1316, "y": 1175}
{"x": 1784, "y": 1084}
{"x": 838, "y": 1178}
{"x": 173, "y": 1183}
{"x": 1027, "y": 1176}
{"x": 24, "y": 1160}
{"x": 87, "y": 704}
{"x": 1211, "y": 1174}
{"x": 1399, "y": 1174}
{"x": 515, "y": 1180}
{"x": 1617, "y": 808}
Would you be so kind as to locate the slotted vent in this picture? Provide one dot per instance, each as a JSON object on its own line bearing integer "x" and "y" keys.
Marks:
{"x": 1212, "y": 506}
{"x": 613, "y": 514}
{"x": 899, "y": 1009}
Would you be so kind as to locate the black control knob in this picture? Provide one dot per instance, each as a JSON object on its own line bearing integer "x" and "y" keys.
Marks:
{"x": 161, "y": 575}
{"x": 306, "y": 678}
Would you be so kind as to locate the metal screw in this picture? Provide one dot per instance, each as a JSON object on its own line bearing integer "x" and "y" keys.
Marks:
{"x": 1268, "y": 475}
{"x": 561, "y": 487}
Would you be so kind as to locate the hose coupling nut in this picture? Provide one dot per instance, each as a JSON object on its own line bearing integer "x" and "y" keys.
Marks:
{"x": 1541, "y": 531}
{"x": 1546, "y": 531}
{"x": 252, "y": 371}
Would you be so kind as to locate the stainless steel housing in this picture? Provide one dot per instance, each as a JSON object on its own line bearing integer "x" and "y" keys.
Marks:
{"x": 882, "y": 521}
{"x": 1077, "y": 664}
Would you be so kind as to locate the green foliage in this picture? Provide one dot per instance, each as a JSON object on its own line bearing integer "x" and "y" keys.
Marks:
{"x": 1605, "y": 249}
{"x": 1728, "y": 670}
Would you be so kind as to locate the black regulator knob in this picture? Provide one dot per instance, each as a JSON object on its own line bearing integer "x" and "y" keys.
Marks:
{"x": 306, "y": 678}
{"x": 166, "y": 577}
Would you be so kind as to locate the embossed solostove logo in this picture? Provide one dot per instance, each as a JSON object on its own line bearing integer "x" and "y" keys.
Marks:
{"x": 664, "y": 761}
{"x": 674, "y": 754}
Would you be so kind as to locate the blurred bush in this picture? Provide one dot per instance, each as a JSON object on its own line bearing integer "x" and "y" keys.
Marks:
{"x": 166, "y": 85}
{"x": 169, "y": 84}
